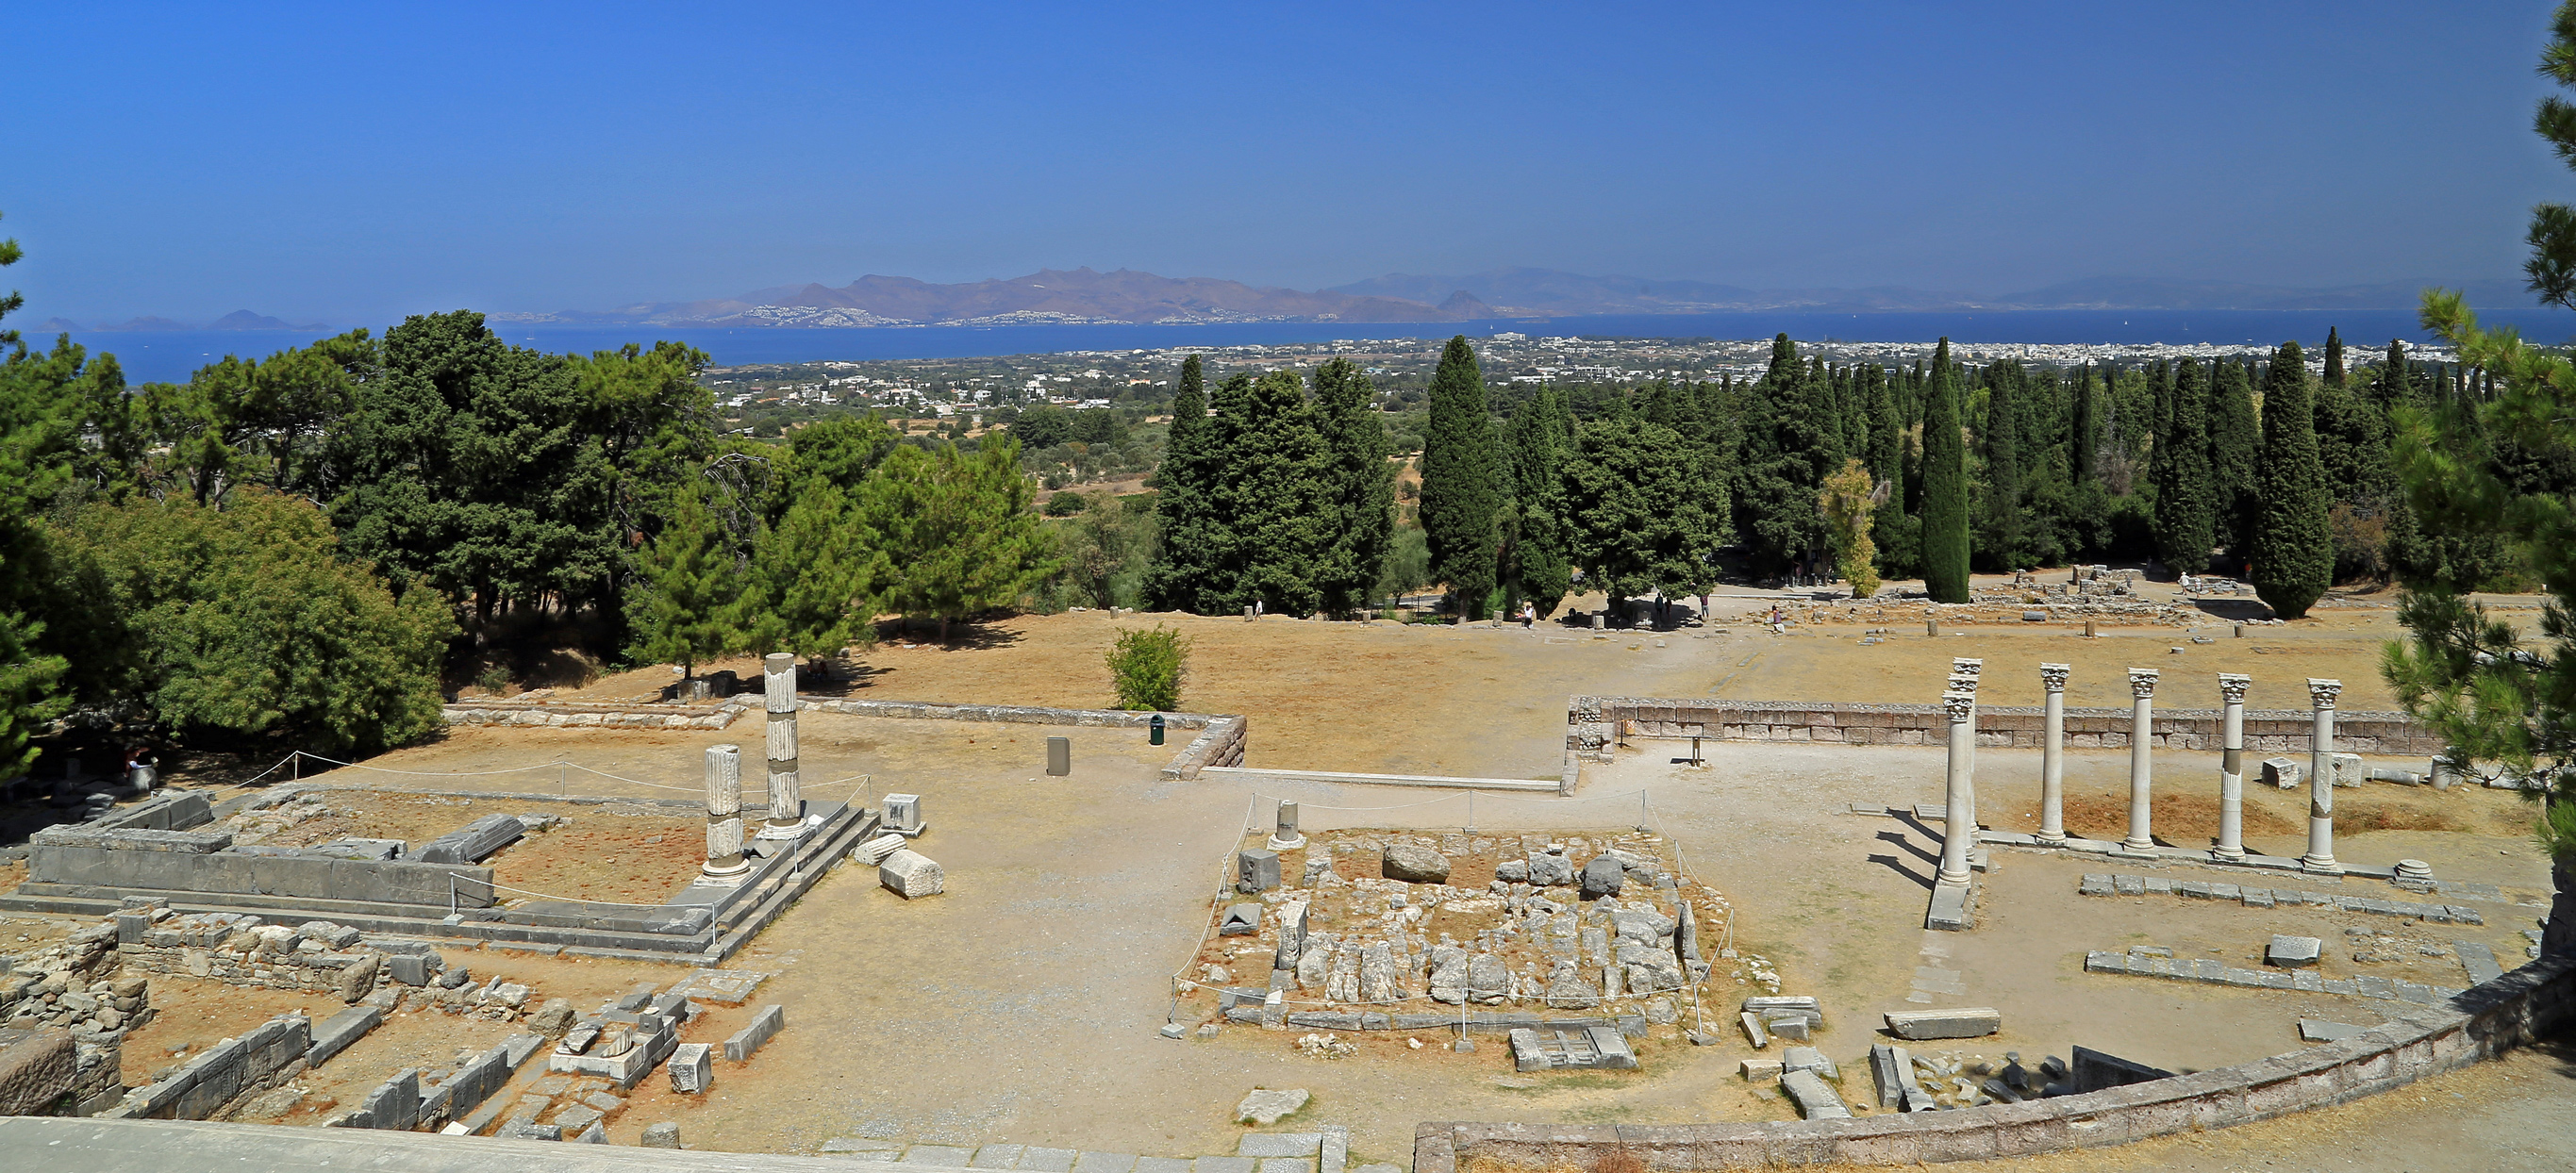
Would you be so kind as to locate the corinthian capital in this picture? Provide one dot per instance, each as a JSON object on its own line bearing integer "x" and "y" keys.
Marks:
{"x": 1959, "y": 706}
{"x": 2053, "y": 676}
{"x": 2232, "y": 686}
{"x": 2142, "y": 682}
{"x": 2324, "y": 692}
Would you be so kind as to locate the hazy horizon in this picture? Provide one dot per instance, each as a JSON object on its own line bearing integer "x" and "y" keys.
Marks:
{"x": 354, "y": 166}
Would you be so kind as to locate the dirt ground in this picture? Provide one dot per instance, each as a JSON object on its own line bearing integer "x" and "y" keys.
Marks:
{"x": 1021, "y": 1006}
{"x": 618, "y": 853}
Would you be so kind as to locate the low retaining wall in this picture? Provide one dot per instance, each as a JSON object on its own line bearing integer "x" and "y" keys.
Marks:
{"x": 198, "y": 862}
{"x": 1593, "y": 722}
{"x": 224, "y": 1073}
{"x": 2480, "y": 1023}
{"x": 1221, "y": 744}
{"x": 585, "y": 716}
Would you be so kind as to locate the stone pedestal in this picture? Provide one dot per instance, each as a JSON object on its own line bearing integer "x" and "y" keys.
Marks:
{"x": 786, "y": 789}
{"x": 2142, "y": 738}
{"x": 2320, "y": 856}
{"x": 2052, "y": 754}
{"x": 1286, "y": 837}
{"x": 2231, "y": 766}
{"x": 724, "y": 813}
{"x": 1959, "y": 830}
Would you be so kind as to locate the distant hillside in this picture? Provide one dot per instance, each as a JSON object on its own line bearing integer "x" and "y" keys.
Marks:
{"x": 246, "y": 320}
{"x": 1547, "y": 292}
{"x": 2130, "y": 293}
{"x": 1049, "y": 296}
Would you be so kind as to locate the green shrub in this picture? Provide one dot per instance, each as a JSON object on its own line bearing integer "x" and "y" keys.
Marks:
{"x": 1146, "y": 668}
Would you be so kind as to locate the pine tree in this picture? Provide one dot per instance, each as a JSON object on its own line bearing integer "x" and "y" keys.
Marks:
{"x": 2235, "y": 439}
{"x": 2293, "y": 548}
{"x": 1945, "y": 486}
{"x": 1537, "y": 554}
{"x": 2184, "y": 507}
{"x": 1461, "y": 490}
{"x": 689, "y": 614}
{"x": 1361, "y": 487}
{"x": 1185, "y": 486}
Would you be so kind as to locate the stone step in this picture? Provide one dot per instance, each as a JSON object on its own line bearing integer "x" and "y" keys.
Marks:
{"x": 1262, "y": 1153}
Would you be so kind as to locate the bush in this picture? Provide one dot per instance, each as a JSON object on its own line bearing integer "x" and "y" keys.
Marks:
{"x": 1146, "y": 668}
{"x": 1064, "y": 504}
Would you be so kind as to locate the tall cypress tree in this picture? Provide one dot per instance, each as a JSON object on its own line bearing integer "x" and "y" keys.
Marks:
{"x": 1362, "y": 487}
{"x": 1945, "y": 486}
{"x": 2235, "y": 439}
{"x": 1185, "y": 485}
{"x": 1280, "y": 498}
{"x": 1537, "y": 553}
{"x": 2334, "y": 358}
{"x": 2083, "y": 430}
{"x": 1461, "y": 490}
{"x": 1886, "y": 431}
{"x": 1999, "y": 531}
{"x": 2184, "y": 505}
{"x": 2293, "y": 550}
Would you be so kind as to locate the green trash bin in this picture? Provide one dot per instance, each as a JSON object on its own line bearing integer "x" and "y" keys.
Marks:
{"x": 1154, "y": 730}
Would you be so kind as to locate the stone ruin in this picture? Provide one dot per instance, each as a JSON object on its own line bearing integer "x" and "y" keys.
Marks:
{"x": 1364, "y": 930}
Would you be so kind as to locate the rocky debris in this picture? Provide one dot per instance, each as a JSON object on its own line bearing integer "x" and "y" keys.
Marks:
{"x": 1324, "y": 1046}
{"x": 77, "y": 985}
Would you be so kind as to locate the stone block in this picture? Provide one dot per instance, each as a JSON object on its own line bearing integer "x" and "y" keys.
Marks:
{"x": 911, "y": 875}
{"x": 1413, "y": 863}
{"x": 764, "y": 1025}
{"x": 37, "y": 1069}
{"x": 2093, "y": 1071}
{"x": 2318, "y": 1030}
{"x": 1966, "y": 1022}
{"x": 2283, "y": 773}
{"x": 1279, "y": 1144}
{"x": 875, "y": 851}
{"x": 2292, "y": 952}
{"x": 474, "y": 841}
{"x": 334, "y": 1034}
{"x": 903, "y": 815}
{"x": 1241, "y": 920}
{"x": 1256, "y": 871}
{"x": 1046, "y": 1160}
{"x": 1601, "y": 877}
{"x": 692, "y": 1067}
{"x": 1816, "y": 1099}
{"x": 395, "y": 1104}
{"x": 1761, "y": 1070}
{"x": 407, "y": 969}
{"x": 1265, "y": 1106}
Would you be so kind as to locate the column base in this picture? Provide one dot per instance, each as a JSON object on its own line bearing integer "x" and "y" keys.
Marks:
{"x": 711, "y": 870}
{"x": 1278, "y": 844}
{"x": 789, "y": 832}
{"x": 2136, "y": 850}
{"x": 2224, "y": 855}
{"x": 2047, "y": 840}
{"x": 2323, "y": 867}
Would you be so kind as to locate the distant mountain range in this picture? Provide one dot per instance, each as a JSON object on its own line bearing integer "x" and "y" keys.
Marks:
{"x": 1055, "y": 296}
{"x": 236, "y": 320}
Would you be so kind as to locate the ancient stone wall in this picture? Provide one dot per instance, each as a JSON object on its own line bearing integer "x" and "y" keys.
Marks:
{"x": 2480, "y": 1023}
{"x": 570, "y": 715}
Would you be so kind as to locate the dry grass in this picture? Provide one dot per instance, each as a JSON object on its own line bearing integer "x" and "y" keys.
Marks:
{"x": 2354, "y": 817}
{"x": 2106, "y": 816}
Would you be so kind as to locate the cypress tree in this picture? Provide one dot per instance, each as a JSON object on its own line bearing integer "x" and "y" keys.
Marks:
{"x": 1537, "y": 556}
{"x": 2293, "y": 550}
{"x": 2160, "y": 419}
{"x": 2334, "y": 358}
{"x": 2235, "y": 437}
{"x": 1185, "y": 485}
{"x": 1999, "y": 537}
{"x": 2184, "y": 507}
{"x": 1461, "y": 493}
{"x": 1945, "y": 486}
{"x": 1886, "y": 431}
{"x": 1281, "y": 500}
{"x": 1361, "y": 484}
{"x": 2082, "y": 430}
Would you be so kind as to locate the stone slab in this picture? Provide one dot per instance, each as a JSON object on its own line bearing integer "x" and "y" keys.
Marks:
{"x": 1963, "y": 1022}
{"x": 1105, "y": 1163}
{"x": 765, "y": 1025}
{"x": 937, "y": 1154}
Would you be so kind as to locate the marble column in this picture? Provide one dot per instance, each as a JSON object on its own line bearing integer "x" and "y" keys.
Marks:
{"x": 1964, "y": 674}
{"x": 2231, "y": 766}
{"x": 1286, "y": 836}
{"x": 2052, "y": 754}
{"x": 786, "y": 791}
{"x": 2320, "y": 856}
{"x": 724, "y": 813}
{"x": 1959, "y": 828}
{"x": 2142, "y": 740}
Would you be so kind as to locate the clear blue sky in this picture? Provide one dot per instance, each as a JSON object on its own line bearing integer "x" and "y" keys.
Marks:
{"x": 350, "y": 163}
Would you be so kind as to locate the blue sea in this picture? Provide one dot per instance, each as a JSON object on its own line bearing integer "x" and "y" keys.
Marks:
{"x": 172, "y": 355}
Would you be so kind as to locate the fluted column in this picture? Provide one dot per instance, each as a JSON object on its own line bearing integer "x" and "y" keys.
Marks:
{"x": 724, "y": 812}
{"x": 2052, "y": 754}
{"x": 1959, "y": 826}
{"x": 2142, "y": 737}
{"x": 2320, "y": 856}
{"x": 2231, "y": 766}
{"x": 786, "y": 788}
